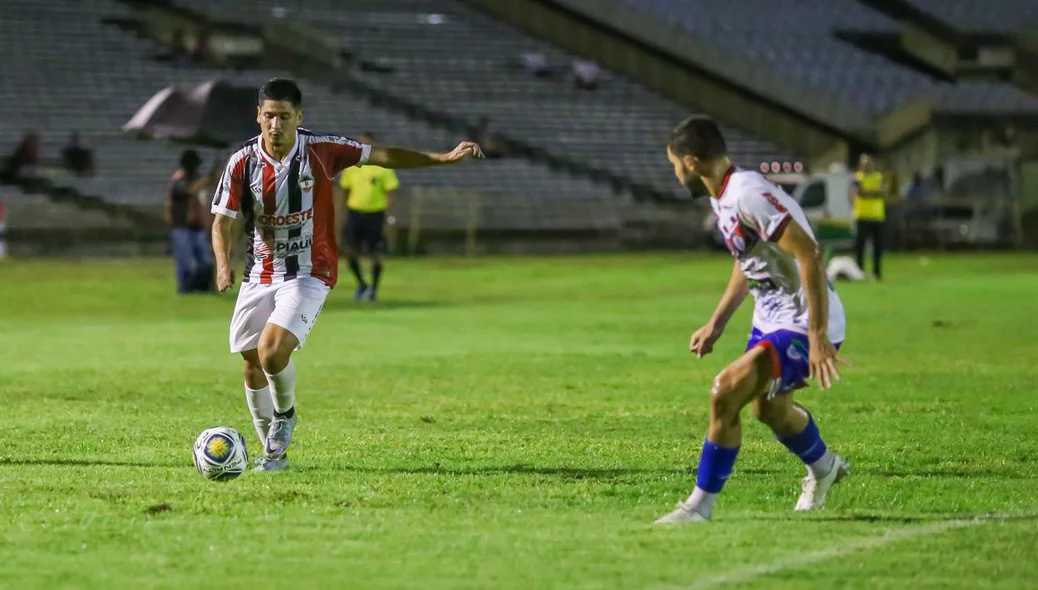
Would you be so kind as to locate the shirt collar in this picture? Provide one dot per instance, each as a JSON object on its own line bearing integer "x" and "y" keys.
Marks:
{"x": 270, "y": 159}
{"x": 724, "y": 182}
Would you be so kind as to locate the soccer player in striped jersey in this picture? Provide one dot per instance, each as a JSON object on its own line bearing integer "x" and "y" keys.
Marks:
{"x": 798, "y": 321}
{"x": 280, "y": 185}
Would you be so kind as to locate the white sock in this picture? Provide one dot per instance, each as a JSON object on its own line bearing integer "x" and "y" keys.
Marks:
{"x": 262, "y": 409}
{"x": 701, "y": 501}
{"x": 823, "y": 465}
{"x": 283, "y": 388}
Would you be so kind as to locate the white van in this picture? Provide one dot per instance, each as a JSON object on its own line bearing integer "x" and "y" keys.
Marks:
{"x": 825, "y": 199}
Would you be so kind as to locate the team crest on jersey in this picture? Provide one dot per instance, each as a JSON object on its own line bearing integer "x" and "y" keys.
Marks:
{"x": 739, "y": 238}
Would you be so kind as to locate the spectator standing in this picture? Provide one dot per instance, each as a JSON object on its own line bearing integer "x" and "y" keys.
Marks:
{"x": 77, "y": 159}
{"x": 186, "y": 219}
{"x": 483, "y": 134}
{"x": 25, "y": 157}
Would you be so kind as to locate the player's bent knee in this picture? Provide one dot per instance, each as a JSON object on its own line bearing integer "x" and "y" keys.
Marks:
{"x": 724, "y": 404}
{"x": 273, "y": 358}
{"x": 275, "y": 349}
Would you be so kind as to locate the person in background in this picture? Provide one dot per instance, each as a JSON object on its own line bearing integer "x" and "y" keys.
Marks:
{"x": 536, "y": 64}
{"x": 184, "y": 214}
{"x": 586, "y": 74}
{"x": 76, "y": 158}
{"x": 179, "y": 49}
{"x": 868, "y": 195}
{"x": 203, "y": 50}
{"x": 18, "y": 166}
{"x": 483, "y": 134}
{"x": 368, "y": 192}
{"x": 916, "y": 190}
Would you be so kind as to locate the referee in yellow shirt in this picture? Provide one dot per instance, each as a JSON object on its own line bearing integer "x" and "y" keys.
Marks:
{"x": 368, "y": 191}
{"x": 869, "y": 195}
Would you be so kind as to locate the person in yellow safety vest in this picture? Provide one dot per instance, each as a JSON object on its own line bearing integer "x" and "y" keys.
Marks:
{"x": 368, "y": 191}
{"x": 868, "y": 194}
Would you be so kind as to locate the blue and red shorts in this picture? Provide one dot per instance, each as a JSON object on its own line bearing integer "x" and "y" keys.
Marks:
{"x": 789, "y": 354}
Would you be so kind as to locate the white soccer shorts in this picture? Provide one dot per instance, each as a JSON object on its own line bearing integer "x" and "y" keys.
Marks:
{"x": 294, "y": 305}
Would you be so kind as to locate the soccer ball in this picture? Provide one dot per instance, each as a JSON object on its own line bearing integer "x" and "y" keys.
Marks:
{"x": 220, "y": 453}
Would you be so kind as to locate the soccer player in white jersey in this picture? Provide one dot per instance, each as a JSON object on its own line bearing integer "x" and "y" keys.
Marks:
{"x": 280, "y": 185}
{"x": 798, "y": 321}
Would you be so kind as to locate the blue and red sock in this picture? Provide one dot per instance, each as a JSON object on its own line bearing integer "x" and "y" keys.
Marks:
{"x": 809, "y": 446}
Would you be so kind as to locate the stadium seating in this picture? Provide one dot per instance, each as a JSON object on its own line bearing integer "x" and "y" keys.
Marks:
{"x": 458, "y": 61}
{"x": 992, "y": 16}
{"x": 78, "y": 74}
{"x": 797, "y": 37}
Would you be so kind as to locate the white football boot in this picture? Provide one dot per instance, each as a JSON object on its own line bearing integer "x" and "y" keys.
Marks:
{"x": 266, "y": 463}
{"x": 813, "y": 490}
{"x": 682, "y": 514}
{"x": 280, "y": 435}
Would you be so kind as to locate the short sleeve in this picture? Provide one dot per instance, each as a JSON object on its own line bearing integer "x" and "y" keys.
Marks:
{"x": 227, "y": 200}
{"x": 766, "y": 211}
{"x": 390, "y": 181}
{"x": 345, "y": 180}
{"x": 344, "y": 152}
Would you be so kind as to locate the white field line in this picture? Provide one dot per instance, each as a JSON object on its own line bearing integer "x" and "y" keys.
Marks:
{"x": 752, "y": 572}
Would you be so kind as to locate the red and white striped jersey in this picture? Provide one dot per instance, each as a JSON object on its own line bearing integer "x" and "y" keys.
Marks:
{"x": 288, "y": 207}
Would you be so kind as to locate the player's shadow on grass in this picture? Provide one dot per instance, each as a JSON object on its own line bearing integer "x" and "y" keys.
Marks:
{"x": 85, "y": 463}
{"x": 949, "y": 473}
{"x": 367, "y": 307}
{"x": 576, "y": 473}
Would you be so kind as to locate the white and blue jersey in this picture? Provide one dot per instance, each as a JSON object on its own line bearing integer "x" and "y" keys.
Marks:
{"x": 752, "y": 213}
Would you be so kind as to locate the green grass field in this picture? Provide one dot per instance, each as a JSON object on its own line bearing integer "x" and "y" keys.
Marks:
{"x": 512, "y": 423}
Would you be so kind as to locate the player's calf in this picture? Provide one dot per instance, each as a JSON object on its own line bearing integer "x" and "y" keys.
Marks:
{"x": 257, "y": 394}
{"x": 795, "y": 428}
{"x": 275, "y": 353}
{"x": 780, "y": 414}
{"x": 733, "y": 389}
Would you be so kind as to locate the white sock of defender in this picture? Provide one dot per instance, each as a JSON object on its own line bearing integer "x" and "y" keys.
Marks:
{"x": 283, "y": 388}
{"x": 823, "y": 465}
{"x": 701, "y": 501}
{"x": 262, "y": 409}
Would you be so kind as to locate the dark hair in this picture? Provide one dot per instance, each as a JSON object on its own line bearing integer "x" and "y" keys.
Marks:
{"x": 190, "y": 160}
{"x": 281, "y": 89}
{"x": 369, "y": 135}
{"x": 698, "y": 136}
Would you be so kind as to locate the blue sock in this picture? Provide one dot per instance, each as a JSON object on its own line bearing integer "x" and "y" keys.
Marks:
{"x": 807, "y": 445}
{"x": 715, "y": 466}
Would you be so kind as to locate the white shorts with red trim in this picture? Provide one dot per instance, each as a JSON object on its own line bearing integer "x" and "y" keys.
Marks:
{"x": 294, "y": 305}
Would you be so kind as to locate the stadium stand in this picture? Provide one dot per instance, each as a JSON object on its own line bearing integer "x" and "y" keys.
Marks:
{"x": 458, "y": 61}
{"x": 49, "y": 90}
{"x": 798, "y": 38}
{"x": 990, "y": 16}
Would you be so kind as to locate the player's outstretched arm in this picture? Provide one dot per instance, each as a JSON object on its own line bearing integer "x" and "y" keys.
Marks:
{"x": 394, "y": 157}
{"x": 809, "y": 255}
{"x": 703, "y": 339}
{"x": 222, "y": 231}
